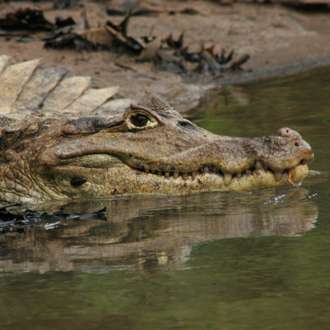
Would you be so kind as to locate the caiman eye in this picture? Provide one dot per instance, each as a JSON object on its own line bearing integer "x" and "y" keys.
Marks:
{"x": 139, "y": 120}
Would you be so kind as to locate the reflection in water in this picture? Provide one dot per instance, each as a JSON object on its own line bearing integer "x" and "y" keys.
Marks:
{"x": 143, "y": 233}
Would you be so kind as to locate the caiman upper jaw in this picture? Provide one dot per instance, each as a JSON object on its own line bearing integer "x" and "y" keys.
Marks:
{"x": 283, "y": 155}
{"x": 236, "y": 156}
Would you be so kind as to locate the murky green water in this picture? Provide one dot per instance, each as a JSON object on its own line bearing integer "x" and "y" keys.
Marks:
{"x": 212, "y": 261}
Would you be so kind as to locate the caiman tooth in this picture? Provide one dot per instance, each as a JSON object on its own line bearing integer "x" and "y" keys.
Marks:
{"x": 172, "y": 170}
{"x": 285, "y": 175}
{"x": 206, "y": 169}
{"x": 167, "y": 174}
{"x": 176, "y": 175}
{"x": 227, "y": 178}
{"x": 258, "y": 172}
{"x": 186, "y": 176}
{"x": 278, "y": 176}
{"x": 259, "y": 165}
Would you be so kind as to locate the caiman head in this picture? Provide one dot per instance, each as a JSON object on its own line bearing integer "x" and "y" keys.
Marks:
{"x": 143, "y": 149}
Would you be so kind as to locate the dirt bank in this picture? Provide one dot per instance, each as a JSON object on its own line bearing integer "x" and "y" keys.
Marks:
{"x": 279, "y": 40}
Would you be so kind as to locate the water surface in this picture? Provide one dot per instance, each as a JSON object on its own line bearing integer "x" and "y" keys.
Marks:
{"x": 257, "y": 260}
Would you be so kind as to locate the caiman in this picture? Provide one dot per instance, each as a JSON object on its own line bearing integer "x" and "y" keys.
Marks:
{"x": 62, "y": 139}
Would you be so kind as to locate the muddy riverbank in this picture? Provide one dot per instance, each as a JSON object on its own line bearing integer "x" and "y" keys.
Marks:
{"x": 279, "y": 41}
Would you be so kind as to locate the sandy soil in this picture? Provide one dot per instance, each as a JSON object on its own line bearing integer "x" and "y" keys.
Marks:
{"x": 280, "y": 41}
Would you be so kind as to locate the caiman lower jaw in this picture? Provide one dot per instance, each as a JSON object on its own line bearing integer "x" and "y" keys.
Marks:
{"x": 297, "y": 174}
{"x": 248, "y": 180}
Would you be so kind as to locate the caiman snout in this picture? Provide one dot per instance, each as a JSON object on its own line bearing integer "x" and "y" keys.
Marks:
{"x": 286, "y": 153}
{"x": 304, "y": 155}
{"x": 300, "y": 147}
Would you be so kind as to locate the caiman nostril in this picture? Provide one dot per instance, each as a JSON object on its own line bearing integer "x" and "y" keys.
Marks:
{"x": 288, "y": 132}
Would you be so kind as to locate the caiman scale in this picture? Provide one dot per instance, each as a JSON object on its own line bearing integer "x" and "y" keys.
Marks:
{"x": 62, "y": 139}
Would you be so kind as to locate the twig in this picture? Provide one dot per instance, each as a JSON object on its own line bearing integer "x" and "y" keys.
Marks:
{"x": 129, "y": 68}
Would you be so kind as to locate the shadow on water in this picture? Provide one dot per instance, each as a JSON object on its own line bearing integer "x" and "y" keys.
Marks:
{"x": 257, "y": 260}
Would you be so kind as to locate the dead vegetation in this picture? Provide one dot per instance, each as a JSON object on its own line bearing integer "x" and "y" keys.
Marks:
{"x": 171, "y": 53}
{"x": 33, "y": 20}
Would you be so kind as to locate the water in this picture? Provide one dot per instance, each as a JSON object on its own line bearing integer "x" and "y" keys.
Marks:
{"x": 211, "y": 261}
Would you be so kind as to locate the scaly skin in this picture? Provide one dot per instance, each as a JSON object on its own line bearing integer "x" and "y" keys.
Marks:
{"x": 60, "y": 139}
{"x": 143, "y": 150}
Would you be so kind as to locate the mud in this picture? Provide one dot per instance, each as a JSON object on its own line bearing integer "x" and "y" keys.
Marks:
{"x": 279, "y": 40}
